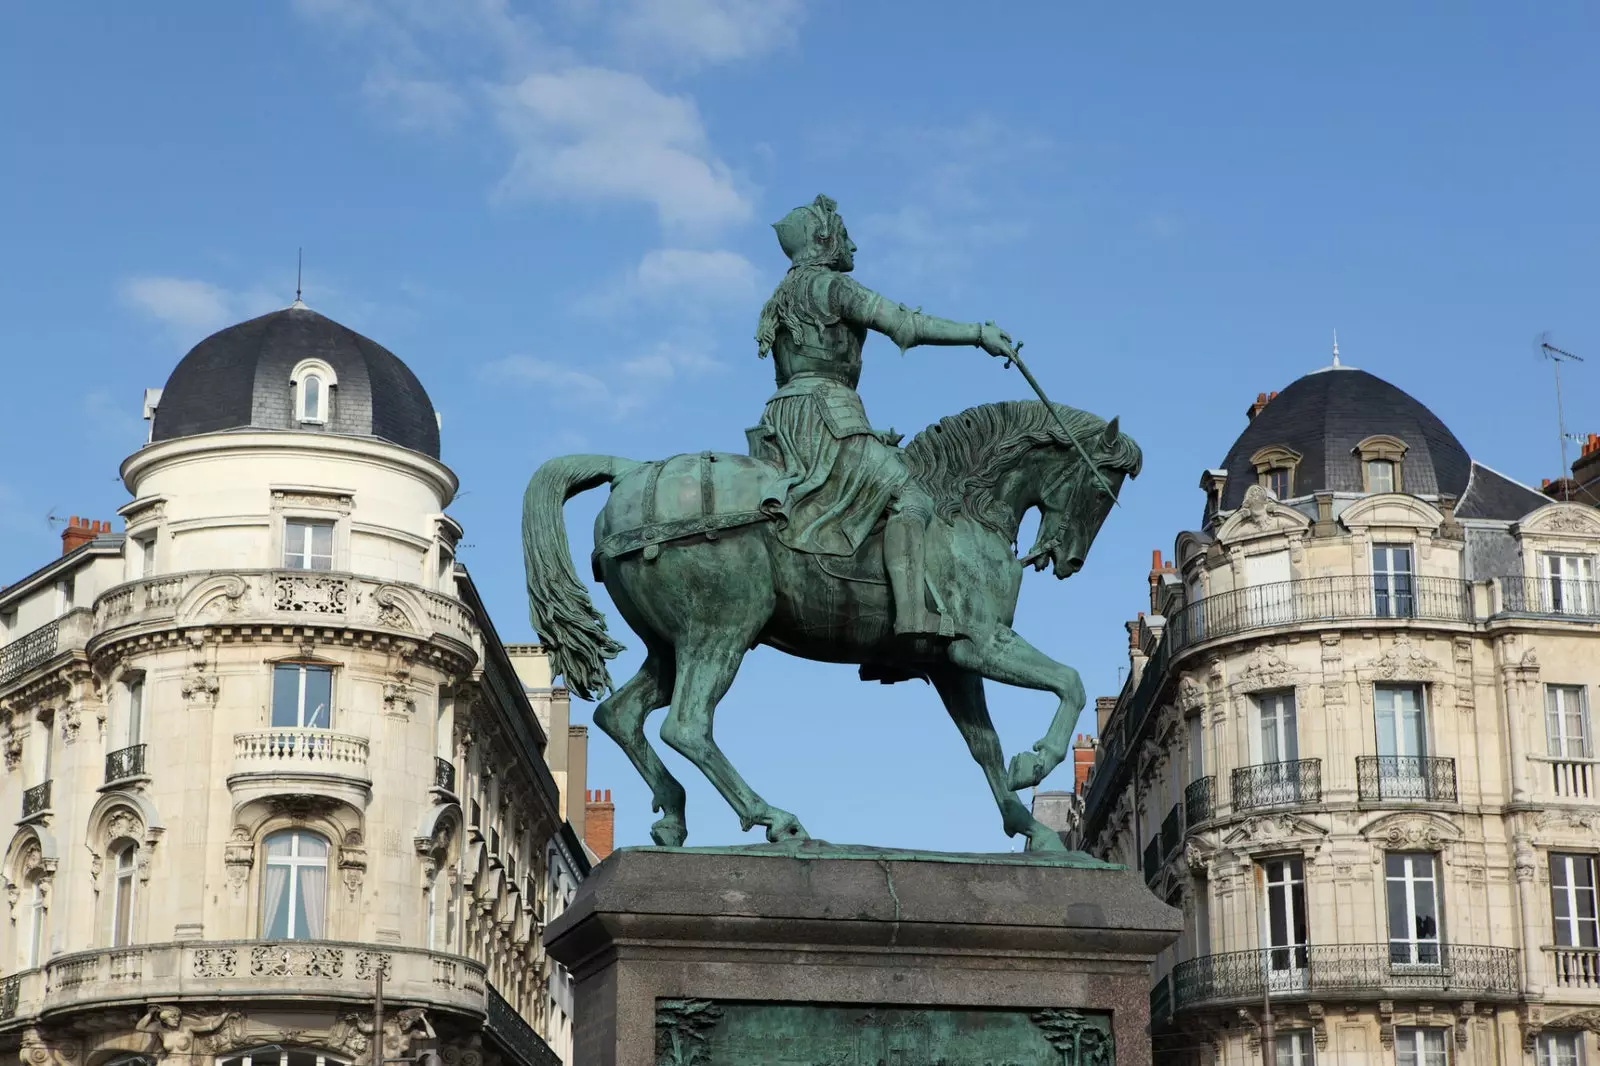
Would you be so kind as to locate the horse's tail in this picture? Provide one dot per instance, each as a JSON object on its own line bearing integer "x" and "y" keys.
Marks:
{"x": 563, "y": 615}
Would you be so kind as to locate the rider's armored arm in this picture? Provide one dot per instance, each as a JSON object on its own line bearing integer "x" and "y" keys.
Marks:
{"x": 906, "y": 327}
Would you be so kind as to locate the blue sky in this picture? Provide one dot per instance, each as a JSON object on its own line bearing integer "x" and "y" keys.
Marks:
{"x": 558, "y": 215}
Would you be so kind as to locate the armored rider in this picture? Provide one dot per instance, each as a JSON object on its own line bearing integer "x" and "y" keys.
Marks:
{"x": 839, "y": 474}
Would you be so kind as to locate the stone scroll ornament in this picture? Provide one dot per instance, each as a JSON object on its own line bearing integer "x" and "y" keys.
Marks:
{"x": 830, "y": 541}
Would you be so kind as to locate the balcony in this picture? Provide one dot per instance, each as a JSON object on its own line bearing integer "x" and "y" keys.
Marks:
{"x": 1171, "y": 833}
{"x": 1405, "y": 779}
{"x": 1320, "y": 599}
{"x": 1199, "y": 801}
{"x": 305, "y": 971}
{"x": 1550, "y": 597}
{"x": 36, "y": 801}
{"x": 1569, "y": 967}
{"x": 1161, "y": 1001}
{"x": 444, "y": 775}
{"x": 1351, "y": 971}
{"x": 516, "y": 1035}
{"x": 267, "y": 762}
{"x": 28, "y": 651}
{"x": 125, "y": 764}
{"x": 1565, "y": 778}
{"x": 1294, "y": 783}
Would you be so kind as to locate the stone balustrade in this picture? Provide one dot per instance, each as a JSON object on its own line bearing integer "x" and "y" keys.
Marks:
{"x": 1564, "y": 778}
{"x": 294, "y": 971}
{"x": 243, "y": 597}
{"x": 274, "y": 750}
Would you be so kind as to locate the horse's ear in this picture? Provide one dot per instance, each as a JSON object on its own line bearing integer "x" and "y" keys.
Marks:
{"x": 1109, "y": 437}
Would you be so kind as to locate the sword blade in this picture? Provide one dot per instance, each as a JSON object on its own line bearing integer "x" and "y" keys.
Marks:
{"x": 1094, "y": 467}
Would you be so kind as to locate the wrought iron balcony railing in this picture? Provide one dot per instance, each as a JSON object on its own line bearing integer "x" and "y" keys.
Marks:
{"x": 515, "y": 1034}
{"x": 1405, "y": 779}
{"x": 1161, "y": 1001}
{"x": 1551, "y": 596}
{"x": 1469, "y": 970}
{"x": 1277, "y": 784}
{"x": 1171, "y": 833}
{"x": 1321, "y": 599}
{"x": 10, "y": 990}
{"x": 28, "y": 651}
{"x": 444, "y": 775}
{"x": 1199, "y": 801}
{"x": 125, "y": 763}
{"x": 36, "y": 800}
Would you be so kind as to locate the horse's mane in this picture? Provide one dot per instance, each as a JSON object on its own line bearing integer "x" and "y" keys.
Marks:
{"x": 960, "y": 459}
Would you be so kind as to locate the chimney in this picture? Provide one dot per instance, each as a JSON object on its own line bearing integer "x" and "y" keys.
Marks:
{"x": 599, "y": 821}
{"x": 1157, "y": 569}
{"x": 1103, "y": 706}
{"x": 81, "y": 531}
{"x": 1262, "y": 399}
{"x": 1083, "y": 753}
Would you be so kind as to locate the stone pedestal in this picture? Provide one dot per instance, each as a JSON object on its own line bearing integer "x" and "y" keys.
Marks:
{"x": 846, "y": 956}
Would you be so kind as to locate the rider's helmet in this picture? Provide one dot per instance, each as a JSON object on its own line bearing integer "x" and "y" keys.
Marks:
{"x": 809, "y": 235}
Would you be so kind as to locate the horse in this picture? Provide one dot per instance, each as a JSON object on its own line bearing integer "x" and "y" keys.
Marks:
{"x": 704, "y": 590}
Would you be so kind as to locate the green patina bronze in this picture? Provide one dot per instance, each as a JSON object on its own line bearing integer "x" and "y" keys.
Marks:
{"x": 699, "y": 1032}
{"x": 828, "y": 541}
{"x": 797, "y": 848}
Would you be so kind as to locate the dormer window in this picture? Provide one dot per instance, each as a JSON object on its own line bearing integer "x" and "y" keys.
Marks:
{"x": 1382, "y": 458}
{"x": 1275, "y": 467}
{"x": 312, "y": 385}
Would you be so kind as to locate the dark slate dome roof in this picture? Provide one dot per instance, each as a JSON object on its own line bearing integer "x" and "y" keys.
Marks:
{"x": 238, "y": 378}
{"x": 1324, "y": 415}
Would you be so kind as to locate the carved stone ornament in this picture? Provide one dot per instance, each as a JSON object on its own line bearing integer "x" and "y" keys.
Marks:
{"x": 1524, "y": 859}
{"x": 681, "y": 1029}
{"x": 1581, "y": 821}
{"x": 1319, "y": 1025}
{"x": 1420, "y": 832}
{"x": 238, "y": 856}
{"x": 1191, "y": 695}
{"x": 390, "y": 614}
{"x": 1570, "y": 521}
{"x": 1257, "y": 508}
{"x": 353, "y": 862}
{"x": 1266, "y": 669}
{"x": 37, "y": 1049}
{"x": 70, "y": 720}
{"x": 1579, "y": 1019}
{"x": 1402, "y": 662}
{"x": 1386, "y": 1023}
{"x": 398, "y": 699}
{"x": 1272, "y": 830}
{"x": 342, "y": 502}
{"x": 200, "y": 686}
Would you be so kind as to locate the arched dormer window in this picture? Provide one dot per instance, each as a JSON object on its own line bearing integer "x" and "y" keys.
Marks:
{"x": 1275, "y": 467}
{"x": 1382, "y": 458}
{"x": 312, "y": 385}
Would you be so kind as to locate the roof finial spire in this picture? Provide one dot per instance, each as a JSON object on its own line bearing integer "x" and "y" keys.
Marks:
{"x": 1335, "y": 347}
{"x": 299, "y": 267}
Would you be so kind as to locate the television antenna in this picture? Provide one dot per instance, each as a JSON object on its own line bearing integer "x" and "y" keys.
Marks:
{"x": 1557, "y": 356}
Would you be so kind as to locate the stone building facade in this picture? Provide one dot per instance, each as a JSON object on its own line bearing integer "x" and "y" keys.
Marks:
{"x": 1355, "y": 748}
{"x": 264, "y": 745}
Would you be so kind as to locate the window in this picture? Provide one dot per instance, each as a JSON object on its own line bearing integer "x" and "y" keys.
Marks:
{"x": 122, "y": 889}
{"x": 301, "y": 696}
{"x": 1566, "y": 718}
{"x": 147, "y": 556}
{"x": 1393, "y": 591}
{"x": 1413, "y": 909}
{"x": 1294, "y": 1049}
{"x": 1572, "y": 900}
{"x": 1420, "y": 1047}
{"x": 37, "y": 910}
{"x": 1275, "y": 467}
{"x": 1278, "y": 739}
{"x": 135, "y": 734}
{"x": 1568, "y": 583}
{"x": 1270, "y": 594}
{"x": 295, "y": 888}
{"x": 1402, "y": 726}
{"x": 65, "y": 594}
{"x": 312, "y": 399}
{"x": 307, "y": 545}
{"x": 432, "y": 910}
{"x": 1279, "y": 481}
{"x": 1380, "y": 475}
{"x": 281, "y": 1056}
{"x": 1561, "y": 1049}
{"x": 1284, "y": 921}
{"x": 447, "y": 569}
{"x": 1197, "y": 747}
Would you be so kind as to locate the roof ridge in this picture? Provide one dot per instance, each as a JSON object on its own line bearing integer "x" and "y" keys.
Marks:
{"x": 1503, "y": 477}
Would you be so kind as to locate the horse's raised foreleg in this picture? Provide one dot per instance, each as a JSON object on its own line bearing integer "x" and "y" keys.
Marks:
{"x": 705, "y": 671}
{"x": 1001, "y": 655}
{"x": 622, "y": 715}
{"x": 962, "y": 692}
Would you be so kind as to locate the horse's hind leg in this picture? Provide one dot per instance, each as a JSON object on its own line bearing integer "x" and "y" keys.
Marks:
{"x": 705, "y": 671}
{"x": 622, "y": 715}
{"x": 962, "y": 692}
{"x": 1003, "y": 656}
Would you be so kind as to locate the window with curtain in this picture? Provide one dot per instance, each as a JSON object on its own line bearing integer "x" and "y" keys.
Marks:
{"x": 1561, "y": 1049}
{"x": 123, "y": 884}
{"x": 294, "y": 886}
{"x": 1569, "y": 586}
{"x": 302, "y": 695}
{"x": 1572, "y": 900}
{"x": 1420, "y": 1047}
{"x": 1294, "y": 1049}
{"x": 1566, "y": 716}
{"x": 307, "y": 545}
{"x": 135, "y": 732}
{"x": 1380, "y": 475}
{"x": 1414, "y": 925}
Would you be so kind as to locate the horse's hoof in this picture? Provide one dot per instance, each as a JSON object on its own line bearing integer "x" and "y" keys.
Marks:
{"x": 1046, "y": 840}
{"x": 669, "y": 833}
{"x": 1025, "y": 771}
{"x": 785, "y": 829}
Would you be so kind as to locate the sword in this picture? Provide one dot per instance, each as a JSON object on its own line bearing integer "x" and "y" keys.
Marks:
{"x": 1016, "y": 358}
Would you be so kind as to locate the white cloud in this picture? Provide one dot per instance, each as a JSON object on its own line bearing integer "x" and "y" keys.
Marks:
{"x": 574, "y": 385}
{"x": 618, "y": 389}
{"x": 716, "y": 275}
{"x": 707, "y": 31}
{"x": 190, "y": 306}
{"x": 588, "y": 133}
{"x": 416, "y": 103}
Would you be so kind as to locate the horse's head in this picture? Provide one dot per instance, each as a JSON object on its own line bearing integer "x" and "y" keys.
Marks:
{"x": 1072, "y": 501}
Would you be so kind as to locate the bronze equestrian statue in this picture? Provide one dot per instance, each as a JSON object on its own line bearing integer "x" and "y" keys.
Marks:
{"x": 828, "y": 541}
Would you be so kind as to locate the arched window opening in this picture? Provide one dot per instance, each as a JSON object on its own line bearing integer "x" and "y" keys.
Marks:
{"x": 295, "y": 886}
{"x": 122, "y": 892}
{"x": 311, "y": 399}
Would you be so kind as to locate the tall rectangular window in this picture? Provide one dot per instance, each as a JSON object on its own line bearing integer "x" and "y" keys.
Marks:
{"x": 135, "y": 733}
{"x": 1380, "y": 475}
{"x": 147, "y": 556}
{"x": 1197, "y": 747}
{"x": 307, "y": 545}
{"x": 1420, "y": 1047}
{"x": 1277, "y": 481}
{"x": 1278, "y": 737}
{"x": 1572, "y": 900}
{"x": 1284, "y": 922}
{"x": 1566, "y": 717}
{"x": 36, "y": 917}
{"x": 122, "y": 890}
{"x": 302, "y": 696}
{"x": 1568, "y": 583}
{"x": 1393, "y": 584}
{"x": 1414, "y": 926}
{"x": 1294, "y": 1049}
{"x": 1401, "y": 722}
{"x": 1561, "y": 1049}
{"x": 294, "y": 886}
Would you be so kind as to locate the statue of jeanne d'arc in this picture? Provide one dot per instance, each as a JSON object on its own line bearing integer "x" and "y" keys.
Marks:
{"x": 839, "y": 474}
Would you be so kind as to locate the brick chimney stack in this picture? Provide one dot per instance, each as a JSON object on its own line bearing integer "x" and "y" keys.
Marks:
{"x": 599, "y": 821}
{"x": 1083, "y": 753}
{"x": 1583, "y": 486}
{"x": 1158, "y": 568}
{"x": 81, "y": 531}
{"x": 1103, "y": 706}
{"x": 1262, "y": 399}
